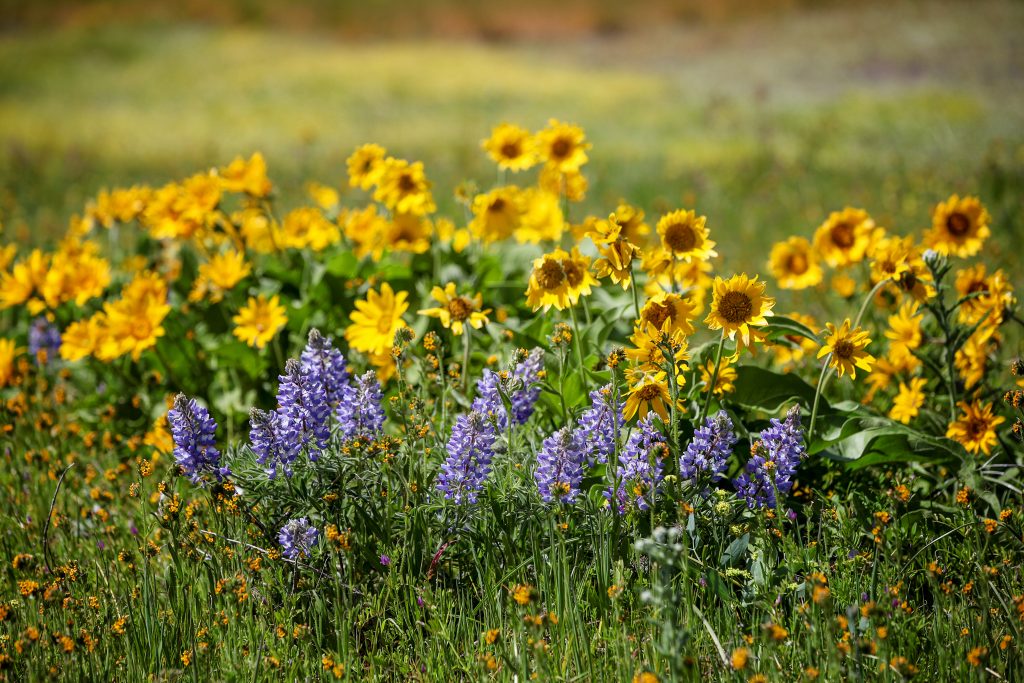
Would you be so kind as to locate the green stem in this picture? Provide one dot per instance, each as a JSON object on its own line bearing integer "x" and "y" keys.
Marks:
{"x": 465, "y": 358}
{"x": 632, "y": 287}
{"x": 817, "y": 395}
{"x": 579, "y": 350}
{"x": 867, "y": 300}
{"x": 714, "y": 381}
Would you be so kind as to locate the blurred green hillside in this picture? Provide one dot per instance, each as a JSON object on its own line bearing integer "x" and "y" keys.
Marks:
{"x": 764, "y": 123}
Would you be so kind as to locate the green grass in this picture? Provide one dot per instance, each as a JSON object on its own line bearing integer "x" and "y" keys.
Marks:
{"x": 763, "y": 125}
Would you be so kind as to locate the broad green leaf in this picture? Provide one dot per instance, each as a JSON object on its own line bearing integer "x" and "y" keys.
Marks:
{"x": 769, "y": 391}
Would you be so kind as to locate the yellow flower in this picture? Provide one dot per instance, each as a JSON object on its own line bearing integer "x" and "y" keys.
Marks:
{"x": 7, "y": 255}
{"x": 984, "y": 296}
{"x": 631, "y": 222}
{"x": 648, "y": 391}
{"x": 684, "y": 235}
{"x": 259, "y": 320}
{"x": 975, "y": 429}
{"x": 218, "y": 275}
{"x": 844, "y": 285}
{"x": 572, "y": 185}
{"x": 891, "y": 257}
{"x": 726, "y": 376}
{"x": 259, "y": 231}
{"x": 563, "y": 147}
{"x": 365, "y": 228}
{"x": 904, "y": 330}
{"x": 83, "y": 337}
{"x": 648, "y": 352}
{"x": 794, "y": 264}
{"x": 18, "y": 285}
{"x": 249, "y": 176}
{"x": 971, "y": 360}
{"x": 844, "y": 237}
{"x": 541, "y": 219}
{"x": 559, "y": 279}
{"x": 908, "y": 401}
{"x": 845, "y": 348}
{"x": 511, "y": 147}
{"x": 404, "y": 188}
{"x": 308, "y": 227}
{"x": 496, "y": 215}
{"x": 8, "y": 352}
{"x": 326, "y": 197}
{"x": 668, "y": 312}
{"x": 376, "y": 320}
{"x": 455, "y": 310}
{"x": 120, "y": 204}
{"x": 365, "y": 165}
{"x": 959, "y": 227}
{"x": 737, "y": 305}
{"x": 405, "y": 232}
{"x": 458, "y": 238}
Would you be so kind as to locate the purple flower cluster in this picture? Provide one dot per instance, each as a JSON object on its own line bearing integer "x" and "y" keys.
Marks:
{"x": 303, "y": 411}
{"x": 711, "y": 446}
{"x": 271, "y": 450}
{"x": 639, "y": 471}
{"x": 43, "y": 336}
{"x": 470, "y": 450}
{"x": 560, "y": 467}
{"x": 195, "y": 436}
{"x": 599, "y": 426}
{"x": 324, "y": 362}
{"x": 523, "y": 398}
{"x": 775, "y": 456}
{"x": 297, "y": 538}
{"x": 360, "y": 412}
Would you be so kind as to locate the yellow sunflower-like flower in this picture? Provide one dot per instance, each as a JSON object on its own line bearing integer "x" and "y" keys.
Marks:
{"x": 794, "y": 264}
{"x": 844, "y": 237}
{"x": 648, "y": 391}
{"x": 648, "y": 350}
{"x": 365, "y": 166}
{"x": 245, "y": 176}
{"x": 404, "y": 188}
{"x": 959, "y": 227}
{"x": 727, "y": 375}
{"x": 376, "y": 320}
{"x": 572, "y": 185}
{"x": 684, "y": 235}
{"x": 669, "y": 312}
{"x": 559, "y": 279}
{"x": 261, "y": 234}
{"x": 405, "y": 232}
{"x": 904, "y": 330}
{"x": 8, "y": 352}
{"x": 908, "y": 402}
{"x": 984, "y": 296}
{"x": 218, "y": 275}
{"x": 845, "y": 349}
{"x": 511, "y": 147}
{"x": 975, "y": 428}
{"x": 259, "y": 320}
{"x": 83, "y": 338}
{"x": 631, "y": 221}
{"x": 308, "y": 227}
{"x": 496, "y": 214}
{"x": 971, "y": 359}
{"x": 891, "y": 257}
{"x": 541, "y": 219}
{"x": 563, "y": 147}
{"x": 739, "y": 304}
{"x": 456, "y": 311}
{"x": 18, "y": 285}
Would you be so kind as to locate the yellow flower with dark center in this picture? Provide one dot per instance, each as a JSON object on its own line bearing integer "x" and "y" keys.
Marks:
{"x": 794, "y": 264}
{"x": 984, "y": 296}
{"x": 259, "y": 320}
{"x": 844, "y": 237}
{"x": 541, "y": 219}
{"x": 648, "y": 391}
{"x": 496, "y": 214}
{"x": 308, "y": 227}
{"x": 908, "y": 401}
{"x": 975, "y": 428}
{"x": 631, "y": 222}
{"x": 563, "y": 147}
{"x": 8, "y": 352}
{"x": 405, "y": 232}
{"x": 959, "y": 227}
{"x": 403, "y": 188}
{"x": 559, "y": 279}
{"x": 616, "y": 262}
{"x": 916, "y": 280}
{"x": 737, "y": 305}
{"x": 456, "y": 311}
{"x": 249, "y": 176}
{"x": 684, "y": 235}
{"x": 512, "y": 147}
{"x": 365, "y": 165}
{"x": 727, "y": 375}
{"x": 891, "y": 257}
{"x": 376, "y": 320}
{"x": 845, "y": 349}
{"x": 648, "y": 351}
{"x": 668, "y": 312}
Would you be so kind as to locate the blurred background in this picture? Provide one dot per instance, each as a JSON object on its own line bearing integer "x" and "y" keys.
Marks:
{"x": 762, "y": 114}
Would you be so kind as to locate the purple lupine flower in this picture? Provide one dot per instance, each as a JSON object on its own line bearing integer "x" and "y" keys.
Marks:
{"x": 272, "y": 451}
{"x": 43, "y": 336}
{"x": 326, "y": 363}
{"x": 470, "y": 450}
{"x": 523, "y": 397}
{"x": 599, "y": 426}
{"x": 711, "y": 446}
{"x": 195, "y": 439}
{"x": 360, "y": 412}
{"x": 560, "y": 467}
{"x": 639, "y": 471}
{"x": 297, "y": 538}
{"x": 303, "y": 412}
{"x": 774, "y": 457}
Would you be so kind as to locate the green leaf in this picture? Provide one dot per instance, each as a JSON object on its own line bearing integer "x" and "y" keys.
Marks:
{"x": 735, "y": 552}
{"x": 892, "y": 443}
{"x": 768, "y": 391}
{"x": 781, "y": 326}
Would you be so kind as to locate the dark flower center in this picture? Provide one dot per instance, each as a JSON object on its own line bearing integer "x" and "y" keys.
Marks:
{"x": 735, "y": 307}
{"x": 842, "y": 235}
{"x": 680, "y": 237}
{"x": 958, "y": 224}
{"x": 551, "y": 275}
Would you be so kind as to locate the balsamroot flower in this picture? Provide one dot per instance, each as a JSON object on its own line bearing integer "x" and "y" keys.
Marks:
{"x": 195, "y": 433}
{"x": 326, "y": 363}
{"x": 599, "y": 426}
{"x": 470, "y": 450}
{"x": 302, "y": 410}
{"x": 360, "y": 412}
{"x": 297, "y": 538}
{"x": 711, "y": 446}
{"x": 639, "y": 472}
{"x": 560, "y": 467}
{"x": 773, "y": 462}
{"x": 522, "y": 393}
{"x": 271, "y": 449}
